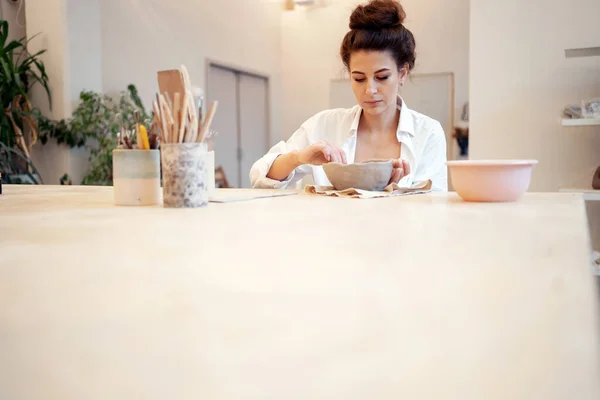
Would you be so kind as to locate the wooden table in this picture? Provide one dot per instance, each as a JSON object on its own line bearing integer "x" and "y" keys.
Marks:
{"x": 299, "y": 297}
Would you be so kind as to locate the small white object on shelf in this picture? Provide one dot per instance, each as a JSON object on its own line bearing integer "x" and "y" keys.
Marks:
{"x": 588, "y": 194}
{"x": 581, "y": 122}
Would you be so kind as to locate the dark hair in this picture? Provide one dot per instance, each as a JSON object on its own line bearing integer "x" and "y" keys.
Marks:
{"x": 378, "y": 26}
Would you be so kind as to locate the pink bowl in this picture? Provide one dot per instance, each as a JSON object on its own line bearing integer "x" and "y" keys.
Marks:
{"x": 491, "y": 180}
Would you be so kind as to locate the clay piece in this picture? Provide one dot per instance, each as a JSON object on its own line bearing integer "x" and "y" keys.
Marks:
{"x": 373, "y": 175}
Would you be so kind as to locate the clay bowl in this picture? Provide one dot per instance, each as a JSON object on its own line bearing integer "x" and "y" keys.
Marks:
{"x": 369, "y": 175}
{"x": 491, "y": 180}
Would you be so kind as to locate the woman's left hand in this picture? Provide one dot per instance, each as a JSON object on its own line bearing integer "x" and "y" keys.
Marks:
{"x": 401, "y": 169}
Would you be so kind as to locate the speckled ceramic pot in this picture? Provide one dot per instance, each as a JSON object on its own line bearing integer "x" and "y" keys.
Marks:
{"x": 184, "y": 174}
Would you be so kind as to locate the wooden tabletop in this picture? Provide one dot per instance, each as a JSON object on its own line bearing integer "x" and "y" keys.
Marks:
{"x": 296, "y": 297}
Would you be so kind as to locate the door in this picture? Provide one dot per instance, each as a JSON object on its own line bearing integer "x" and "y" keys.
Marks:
{"x": 222, "y": 86}
{"x": 253, "y": 123}
{"x": 241, "y": 121}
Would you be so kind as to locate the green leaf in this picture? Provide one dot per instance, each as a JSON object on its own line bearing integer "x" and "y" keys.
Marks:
{"x": 31, "y": 59}
{"x": 3, "y": 32}
{"x": 9, "y": 49}
{"x": 7, "y": 72}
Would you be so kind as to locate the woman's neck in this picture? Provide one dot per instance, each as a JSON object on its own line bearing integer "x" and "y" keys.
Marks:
{"x": 383, "y": 123}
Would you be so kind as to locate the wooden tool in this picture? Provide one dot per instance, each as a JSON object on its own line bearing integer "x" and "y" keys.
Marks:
{"x": 184, "y": 114}
{"x": 187, "y": 84}
{"x": 163, "y": 120}
{"x": 208, "y": 120}
{"x": 138, "y": 137}
{"x": 170, "y": 82}
{"x": 176, "y": 113}
{"x": 168, "y": 119}
{"x": 159, "y": 119}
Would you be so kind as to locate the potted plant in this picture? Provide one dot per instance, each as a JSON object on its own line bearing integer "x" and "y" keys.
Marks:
{"x": 95, "y": 124}
{"x": 19, "y": 72}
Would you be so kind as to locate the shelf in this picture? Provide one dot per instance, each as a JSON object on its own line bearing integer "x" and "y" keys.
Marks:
{"x": 588, "y": 194}
{"x": 582, "y": 52}
{"x": 581, "y": 122}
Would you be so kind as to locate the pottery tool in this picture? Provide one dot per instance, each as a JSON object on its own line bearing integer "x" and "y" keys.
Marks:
{"x": 128, "y": 143}
{"x": 158, "y": 120}
{"x": 168, "y": 100}
{"x": 170, "y": 82}
{"x": 167, "y": 120}
{"x": 184, "y": 114}
{"x": 162, "y": 120}
{"x": 177, "y": 115}
{"x": 153, "y": 141}
{"x": 192, "y": 132}
{"x": 199, "y": 95}
{"x": 138, "y": 138}
{"x": 200, "y": 110}
{"x": 123, "y": 134}
{"x": 144, "y": 144}
{"x": 188, "y": 89}
{"x": 208, "y": 120}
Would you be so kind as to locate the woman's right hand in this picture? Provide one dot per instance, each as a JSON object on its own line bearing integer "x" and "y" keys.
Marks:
{"x": 320, "y": 153}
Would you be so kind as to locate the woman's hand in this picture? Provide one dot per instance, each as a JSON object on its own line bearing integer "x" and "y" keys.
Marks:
{"x": 321, "y": 153}
{"x": 401, "y": 169}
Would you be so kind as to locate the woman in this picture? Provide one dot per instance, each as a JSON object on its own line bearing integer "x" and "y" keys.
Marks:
{"x": 378, "y": 52}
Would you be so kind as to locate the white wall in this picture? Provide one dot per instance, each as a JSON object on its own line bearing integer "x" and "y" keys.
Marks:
{"x": 70, "y": 32}
{"x": 14, "y": 13}
{"x": 520, "y": 82}
{"x": 311, "y": 40}
{"x": 140, "y": 38}
{"x": 48, "y": 19}
{"x": 105, "y": 45}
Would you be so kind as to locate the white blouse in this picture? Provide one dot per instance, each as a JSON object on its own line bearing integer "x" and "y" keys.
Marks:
{"x": 422, "y": 139}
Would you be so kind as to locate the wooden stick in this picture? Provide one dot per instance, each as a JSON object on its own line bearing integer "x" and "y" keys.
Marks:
{"x": 176, "y": 111}
{"x": 193, "y": 127}
{"x": 187, "y": 84}
{"x": 159, "y": 121}
{"x": 168, "y": 100}
{"x": 192, "y": 133}
{"x": 168, "y": 118}
{"x": 184, "y": 114}
{"x": 186, "y": 77}
{"x": 163, "y": 125}
{"x": 208, "y": 120}
{"x": 138, "y": 137}
{"x": 190, "y": 105}
{"x": 173, "y": 117}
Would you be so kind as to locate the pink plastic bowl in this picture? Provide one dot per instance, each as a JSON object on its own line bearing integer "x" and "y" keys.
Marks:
{"x": 491, "y": 180}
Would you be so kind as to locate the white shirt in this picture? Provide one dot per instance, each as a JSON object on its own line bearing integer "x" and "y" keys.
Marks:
{"x": 422, "y": 140}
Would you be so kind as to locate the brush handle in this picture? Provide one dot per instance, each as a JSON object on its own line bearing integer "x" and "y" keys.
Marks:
{"x": 159, "y": 120}
{"x": 208, "y": 120}
{"x": 168, "y": 120}
{"x": 184, "y": 114}
{"x": 176, "y": 113}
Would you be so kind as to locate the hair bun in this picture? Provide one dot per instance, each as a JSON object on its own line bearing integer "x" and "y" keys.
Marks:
{"x": 377, "y": 15}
